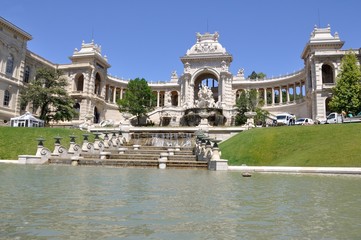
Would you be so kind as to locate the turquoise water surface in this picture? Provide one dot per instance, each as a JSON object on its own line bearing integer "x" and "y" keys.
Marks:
{"x": 64, "y": 202}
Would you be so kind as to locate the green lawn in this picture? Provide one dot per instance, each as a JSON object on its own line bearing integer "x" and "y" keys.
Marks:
{"x": 17, "y": 141}
{"x": 318, "y": 145}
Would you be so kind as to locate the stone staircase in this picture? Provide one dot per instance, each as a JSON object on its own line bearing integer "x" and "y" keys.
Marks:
{"x": 145, "y": 157}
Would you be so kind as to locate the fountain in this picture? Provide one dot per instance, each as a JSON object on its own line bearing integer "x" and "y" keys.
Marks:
{"x": 204, "y": 110}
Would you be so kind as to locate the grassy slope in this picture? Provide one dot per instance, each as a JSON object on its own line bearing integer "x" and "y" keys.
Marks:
{"x": 17, "y": 141}
{"x": 318, "y": 145}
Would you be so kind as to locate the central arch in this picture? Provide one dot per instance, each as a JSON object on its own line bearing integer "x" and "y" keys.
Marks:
{"x": 208, "y": 79}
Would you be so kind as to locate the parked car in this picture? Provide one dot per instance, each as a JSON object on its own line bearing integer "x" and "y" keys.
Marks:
{"x": 304, "y": 121}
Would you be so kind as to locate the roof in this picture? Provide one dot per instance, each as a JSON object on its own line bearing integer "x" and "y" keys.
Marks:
{"x": 27, "y": 116}
{"x": 15, "y": 28}
{"x": 322, "y": 38}
{"x": 207, "y": 46}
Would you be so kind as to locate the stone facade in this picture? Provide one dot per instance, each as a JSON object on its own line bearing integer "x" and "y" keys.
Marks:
{"x": 304, "y": 93}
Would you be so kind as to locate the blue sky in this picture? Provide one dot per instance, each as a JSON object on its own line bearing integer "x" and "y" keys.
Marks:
{"x": 147, "y": 38}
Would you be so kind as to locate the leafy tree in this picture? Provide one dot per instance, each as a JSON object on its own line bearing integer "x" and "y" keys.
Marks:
{"x": 255, "y": 75}
{"x": 347, "y": 92}
{"x": 248, "y": 102}
{"x": 48, "y": 91}
{"x": 138, "y": 99}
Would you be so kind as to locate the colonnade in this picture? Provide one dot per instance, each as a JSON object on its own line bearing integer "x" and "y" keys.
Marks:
{"x": 283, "y": 94}
{"x": 173, "y": 97}
{"x": 112, "y": 94}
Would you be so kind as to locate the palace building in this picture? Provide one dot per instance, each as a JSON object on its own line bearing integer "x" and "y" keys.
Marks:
{"x": 304, "y": 93}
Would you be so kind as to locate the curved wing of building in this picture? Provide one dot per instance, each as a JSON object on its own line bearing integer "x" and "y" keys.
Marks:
{"x": 206, "y": 69}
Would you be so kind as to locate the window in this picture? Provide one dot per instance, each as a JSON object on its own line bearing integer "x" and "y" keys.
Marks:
{"x": 10, "y": 64}
{"x": 97, "y": 89}
{"x": 6, "y": 98}
{"x": 327, "y": 74}
{"x": 27, "y": 74}
{"x": 80, "y": 83}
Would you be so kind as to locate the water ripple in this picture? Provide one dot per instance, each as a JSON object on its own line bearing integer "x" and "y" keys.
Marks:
{"x": 58, "y": 202}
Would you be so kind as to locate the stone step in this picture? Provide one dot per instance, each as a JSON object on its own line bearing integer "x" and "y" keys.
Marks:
{"x": 138, "y": 155}
{"x": 135, "y": 156}
{"x": 130, "y": 163}
{"x": 182, "y": 158}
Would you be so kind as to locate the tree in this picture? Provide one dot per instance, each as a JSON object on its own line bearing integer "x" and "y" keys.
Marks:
{"x": 138, "y": 99}
{"x": 48, "y": 92}
{"x": 248, "y": 101}
{"x": 347, "y": 92}
{"x": 255, "y": 75}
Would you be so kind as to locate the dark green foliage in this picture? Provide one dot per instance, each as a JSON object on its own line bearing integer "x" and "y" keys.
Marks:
{"x": 48, "y": 92}
{"x": 138, "y": 99}
{"x": 249, "y": 102}
{"x": 347, "y": 93}
{"x": 255, "y": 75}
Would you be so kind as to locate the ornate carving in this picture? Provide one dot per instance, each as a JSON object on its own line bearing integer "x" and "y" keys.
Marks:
{"x": 224, "y": 66}
{"x": 205, "y": 98}
{"x": 187, "y": 67}
{"x": 240, "y": 73}
{"x": 205, "y": 48}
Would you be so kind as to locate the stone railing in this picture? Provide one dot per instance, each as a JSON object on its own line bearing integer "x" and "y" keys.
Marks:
{"x": 74, "y": 152}
{"x": 211, "y": 154}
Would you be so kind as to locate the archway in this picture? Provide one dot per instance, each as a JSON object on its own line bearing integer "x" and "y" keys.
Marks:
{"x": 97, "y": 89}
{"x": 327, "y": 74}
{"x": 327, "y": 108}
{"x": 174, "y": 98}
{"x": 77, "y": 109}
{"x": 96, "y": 115}
{"x": 209, "y": 80}
{"x": 79, "y": 83}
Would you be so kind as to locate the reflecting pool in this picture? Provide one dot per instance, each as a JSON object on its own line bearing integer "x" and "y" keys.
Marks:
{"x": 64, "y": 202}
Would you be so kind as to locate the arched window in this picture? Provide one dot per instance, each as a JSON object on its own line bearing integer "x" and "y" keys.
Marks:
{"x": 209, "y": 80}
{"x": 327, "y": 74}
{"x": 97, "y": 89}
{"x": 174, "y": 98}
{"x": 10, "y": 64}
{"x": 26, "y": 74}
{"x": 6, "y": 98}
{"x": 80, "y": 83}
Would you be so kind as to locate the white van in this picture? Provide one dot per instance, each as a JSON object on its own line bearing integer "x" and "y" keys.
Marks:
{"x": 285, "y": 119}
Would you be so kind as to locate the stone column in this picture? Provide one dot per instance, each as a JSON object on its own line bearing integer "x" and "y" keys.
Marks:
{"x": 121, "y": 93}
{"x": 273, "y": 96}
{"x": 114, "y": 94}
{"x": 294, "y": 92}
{"x": 265, "y": 96}
{"x": 288, "y": 94}
{"x": 179, "y": 99}
{"x": 157, "y": 98}
{"x": 281, "y": 98}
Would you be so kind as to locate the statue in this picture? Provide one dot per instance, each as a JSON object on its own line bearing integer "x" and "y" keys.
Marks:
{"x": 205, "y": 97}
{"x": 224, "y": 66}
{"x": 240, "y": 73}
